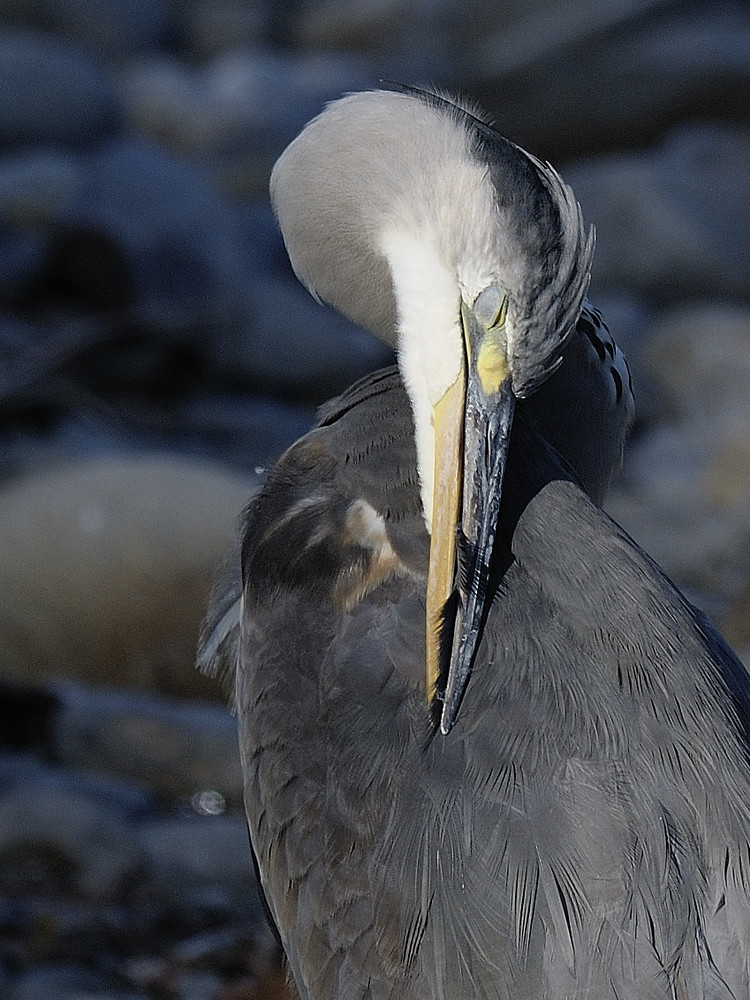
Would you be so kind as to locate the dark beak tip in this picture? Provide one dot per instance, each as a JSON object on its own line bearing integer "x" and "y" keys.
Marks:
{"x": 476, "y": 550}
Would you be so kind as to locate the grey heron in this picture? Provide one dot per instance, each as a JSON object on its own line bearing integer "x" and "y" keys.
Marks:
{"x": 489, "y": 750}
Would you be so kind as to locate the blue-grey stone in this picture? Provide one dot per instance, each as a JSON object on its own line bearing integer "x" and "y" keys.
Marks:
{"x": 204, "y": 861}
{"x": 670, "y": 223}
{"x": 247, "y": 433}
{"x": 176, "y": 748}
{"x": 293, "y": 345}
{"x": 607, "y": 75}
{"x": 236, "y": 113}
{"x": 66, "y": 982}
{"x": 109, "y": 27}
{"x": 181, "y": 244}
{"x": 22, "y": 257}
{"x": 56, "y": 840}
{"x": 52, "y": 93}
{"x": 39, "y": 186}
{"x": 123, "y": 800}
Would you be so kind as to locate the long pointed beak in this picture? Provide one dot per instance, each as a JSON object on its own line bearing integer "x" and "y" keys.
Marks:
{"x": 468, "y": 495}
{"x": 448, "y": 426}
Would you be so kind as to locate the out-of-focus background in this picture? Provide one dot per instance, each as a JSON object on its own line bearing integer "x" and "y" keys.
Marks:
{"x": 157, "y": 355}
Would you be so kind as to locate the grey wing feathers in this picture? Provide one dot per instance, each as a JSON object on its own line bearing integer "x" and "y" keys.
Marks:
{"x": 585, "y": 825}
{"x": 677, "y": 708}
{"x": 591, "y": 389}
{"x": 218, "y": 643}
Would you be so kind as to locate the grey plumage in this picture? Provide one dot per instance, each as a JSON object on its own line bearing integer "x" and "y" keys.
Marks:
{"x": 582, "y": 832}
{"x": 370, "y": 161}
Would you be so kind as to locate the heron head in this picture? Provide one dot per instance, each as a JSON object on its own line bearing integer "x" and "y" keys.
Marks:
{"x": 413, "y": 217}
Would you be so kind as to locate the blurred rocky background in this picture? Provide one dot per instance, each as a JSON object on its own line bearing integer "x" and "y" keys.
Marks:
{"x": 157, "y": 354}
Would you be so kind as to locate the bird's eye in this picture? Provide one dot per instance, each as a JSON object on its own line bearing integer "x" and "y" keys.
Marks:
{"x": 491, "y": 307}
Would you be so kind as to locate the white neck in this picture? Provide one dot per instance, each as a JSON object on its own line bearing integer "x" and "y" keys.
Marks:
{"x": 430, "y": 348}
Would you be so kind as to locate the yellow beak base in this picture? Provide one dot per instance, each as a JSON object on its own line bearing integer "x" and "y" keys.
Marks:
{"x": 448, "y": 422}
